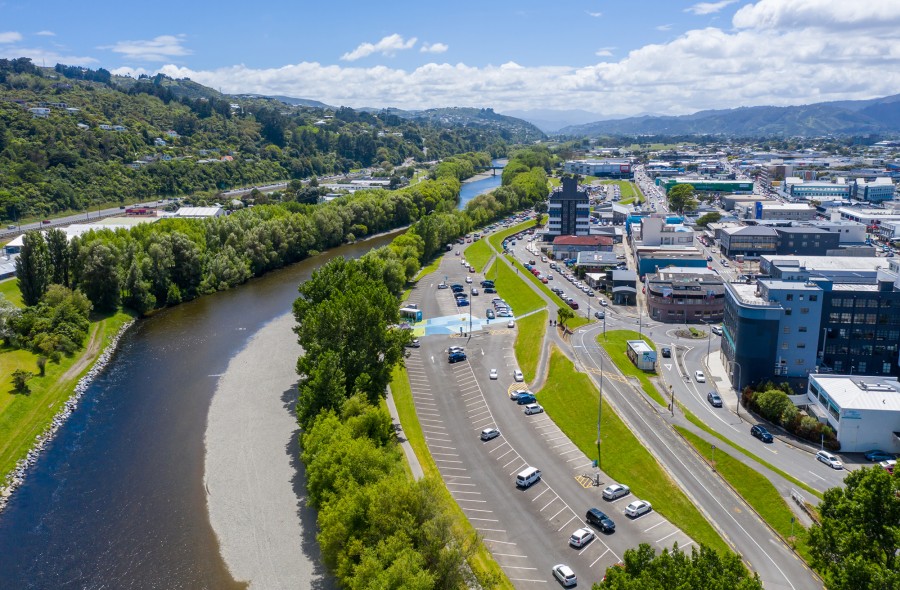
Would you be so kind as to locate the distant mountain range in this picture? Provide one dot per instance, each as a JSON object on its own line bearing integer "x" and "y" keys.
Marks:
{"x": 848, "y": 117}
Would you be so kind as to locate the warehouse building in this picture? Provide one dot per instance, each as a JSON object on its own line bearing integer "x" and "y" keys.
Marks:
{"x": 863, "y": 411}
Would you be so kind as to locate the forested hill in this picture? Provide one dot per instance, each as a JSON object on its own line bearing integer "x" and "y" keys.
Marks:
{"x": 880, "y": 116}
{"x": 71, "y": 137}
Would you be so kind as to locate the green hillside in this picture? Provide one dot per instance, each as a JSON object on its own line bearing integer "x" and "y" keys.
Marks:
{"x": 72, "y": 137}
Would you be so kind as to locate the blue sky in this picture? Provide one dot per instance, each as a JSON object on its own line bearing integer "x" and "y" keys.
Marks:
{"x": 611, "y": 58}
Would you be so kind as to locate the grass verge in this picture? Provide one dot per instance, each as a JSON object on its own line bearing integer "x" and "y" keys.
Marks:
{"x": 528, "y": 343}
{"x": 482, "y": 563}
{"x": 571, "y": 400}
{"x": 23, "y": 417}
{"x": 615, "y": 346}
{"x": 478, "y": 253}
{"x": 10, "y": 289}
{"x": 755, "y": 489}
{"x": 704, "y": 427}
{"x": 496, "y": 240}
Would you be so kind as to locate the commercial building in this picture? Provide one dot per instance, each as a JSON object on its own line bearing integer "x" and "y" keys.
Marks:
{"x": 708, "y": 185}
{"x": 593, "y": 262}
{"x": 812, "y": 321}
{"x": 752, "y": 241}
{"x": 624, "y": 287}
{"x": 730, "y": 202}
{"x": 600, "y": 168}
{"x": 685, "y": 295}
{"x": 569, "y": 210}
{"x": 651, "y": 258}
{"x": 863, "y": 411}
{"x": 811, "y": 241}
{"x": 565, "y": 247}
{"x": 787, "y": 211}
{"x": 877, "y": 190}
{"x": 869, "y": 217}
{"x": 656, "y": 231}
{"x": 797, "y": 188}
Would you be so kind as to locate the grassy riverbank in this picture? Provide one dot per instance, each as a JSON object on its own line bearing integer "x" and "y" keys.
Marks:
{"x": 24, "y": 416}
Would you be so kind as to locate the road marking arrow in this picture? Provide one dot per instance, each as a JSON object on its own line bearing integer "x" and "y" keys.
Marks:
{"x": 668, "y": 366}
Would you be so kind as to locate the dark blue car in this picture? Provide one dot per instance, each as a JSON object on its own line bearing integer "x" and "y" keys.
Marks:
{"x": 761, "y": 433}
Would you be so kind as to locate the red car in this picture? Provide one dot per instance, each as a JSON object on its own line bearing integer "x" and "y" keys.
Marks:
{"x": 572, "y": 303}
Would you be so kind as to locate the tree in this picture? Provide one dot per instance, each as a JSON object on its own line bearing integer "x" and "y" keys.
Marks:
{"x": 681, "y": 198}
{"x": 100, "y": 278}
{"x": 323, "y": 389}
{"x": 33, "y": 267}
{"x": 20, "y": 380}
{"x": 9, "y": 313}
{"x": 772, "y": 404}
{"x": 563, "y": 315}
{"x": 706, "y": 568}
{"x": 707, "y": 218}
{"x": 58, "y": 250}
{"x": 856, "y": 544}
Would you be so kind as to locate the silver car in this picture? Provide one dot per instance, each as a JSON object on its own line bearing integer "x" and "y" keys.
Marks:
{"x": 615, "y": 491}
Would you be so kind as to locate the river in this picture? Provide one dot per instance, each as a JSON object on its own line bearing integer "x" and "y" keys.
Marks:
{"x": 470, "y": 190}
{"x": 117, "y": 500}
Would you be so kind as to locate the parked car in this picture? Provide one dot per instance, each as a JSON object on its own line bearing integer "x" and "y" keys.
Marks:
{"x": 489, "y": 434}
{"x": 596, "y": 517}
{"x": 511, "y": 324}
{"x": 888, "y": 465}
{"x": 638, "y": 508}
{"x": 515, "y": 394}
{"x": 533, "y": 409}
{"x": 468, "y": 279}
{"x": 442, "y": 285}
{"x": 716, "y": 330}
{"x": 761, "y": 433}
{"x": 581, "y": 537}
{"x": 615, "y": 491}
{"x": 462, "y": 302}
{"x": 523, "y": 399}
{"x": 564, "y": 575}
{"x": 517, "y": 375}
{"x": 453, "y": 349}
{"x": 456, "y": 357}
{"x": 490, "y": 290}
{"x": 489, "y": 313}
{"x": 474, "y": 292}
{"x": 829, "y": 459}
{"x": 666, "y": 352}
{"x": 714, "y": 400}
{"x": 414, "y": 343}
{"x": 494, "y": 374}
{"x": 573, "y": 304}
{"x": 878, "y": 455}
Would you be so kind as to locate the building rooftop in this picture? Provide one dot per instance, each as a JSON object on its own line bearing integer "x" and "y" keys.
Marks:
{"x": 589, "y": 257}
{"x": 749, "y": 230}
{"x": 595, "y": 240}
{"x": 861, "y": 263}
{"x": 859, "y": 392}
{"x": 786, "y": 206}
{"x": 748, "y": 294}
{"x": 639, "y": 346}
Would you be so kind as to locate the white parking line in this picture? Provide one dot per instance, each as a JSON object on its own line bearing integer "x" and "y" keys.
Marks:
{"x": 489, "y": 418}
{"x": 479, "y": 413}
{"x": 541, "y": 494}
{"x": 505, "y": 454}
{"x": 667, "y": 536}
{"x": 459, "y": 492}
{"x": 483, "y": 519}
{"x": 453, "y": 468}
{"x": 560, "y": 510}
{"x": 575, "y": 450}
{"x": 561, "y": 445}
{"x": 468, "y": 500}
{"x": 481, "y": 401}
{"x": 432, "y": 426}
{"x": 495, "y": 540}
{"x": 816, "y": 475}
{"x": 654, "y": 526}
{"x": 527, "y": 580}
{"x": 591, "y": 464}
{"x": 551, "y": 438}
{"x": 477, "y": 510}
{"x": 441, "y": 447}
{"x": 499, "y": 446}
{"x": 567, "y": 523}
{"x": 519, "y": 468}
{"x": 508, "y": 554}
{"x": 516, "y": 458}
{"x": 599, "y": 558}
{"x": 550, "y": 502}
{"x": 444, "y": 454}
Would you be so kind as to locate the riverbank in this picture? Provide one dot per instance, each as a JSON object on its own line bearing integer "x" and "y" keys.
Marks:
{"x": 254, "y": 480}
{"x": 97, "y": 357}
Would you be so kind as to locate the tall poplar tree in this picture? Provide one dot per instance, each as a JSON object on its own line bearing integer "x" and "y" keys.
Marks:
{"x": 33, "y": 267}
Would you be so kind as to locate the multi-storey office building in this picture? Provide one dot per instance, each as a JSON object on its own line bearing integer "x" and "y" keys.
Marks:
{"x": 569, "y": 211}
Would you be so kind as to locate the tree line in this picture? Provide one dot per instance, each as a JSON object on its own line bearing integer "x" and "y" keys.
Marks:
{"x": 377, "y": 528}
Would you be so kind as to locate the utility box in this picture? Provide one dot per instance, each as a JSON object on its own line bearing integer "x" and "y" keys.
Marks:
{"x": 640, "y": 353}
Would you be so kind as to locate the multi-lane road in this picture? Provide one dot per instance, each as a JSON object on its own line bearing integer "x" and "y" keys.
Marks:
{"x": 527, "y": 530}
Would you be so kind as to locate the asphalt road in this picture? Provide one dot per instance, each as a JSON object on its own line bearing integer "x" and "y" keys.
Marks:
{"x": 526, "y": 530}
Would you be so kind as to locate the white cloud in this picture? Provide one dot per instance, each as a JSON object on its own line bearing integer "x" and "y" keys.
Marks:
{"x": 770, "y": 57}
{"x": 702, "y": 8}
{"x": 10, "y": 37}
{"x": 665, "y": 27}
{"x": 595, "y": 14}
{"x": 604, "y": 52}
{"x": 159, "y": 48}
{"x": 42, "y": 56}
{"x": 388, "y": 46}
{"x": 46, "y": 33}
{"x": 434, "y": 48}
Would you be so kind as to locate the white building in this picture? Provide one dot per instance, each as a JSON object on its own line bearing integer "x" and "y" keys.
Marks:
{"x": 602, "y": 168}
{"x": 199, "y": 212}
{"x": 654, "y": 231}
{"x": 863, "y": 411}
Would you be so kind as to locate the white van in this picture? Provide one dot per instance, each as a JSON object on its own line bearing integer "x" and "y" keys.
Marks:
{"x": 527, "y": 477}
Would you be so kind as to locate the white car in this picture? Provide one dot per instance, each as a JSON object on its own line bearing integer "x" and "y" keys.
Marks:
{"x": 699, "y": 376}
{"x": 604, "y": 303}
{"x": 615, "y": 491}
{"x": 494, "y": 375}
{"x": 533, "y": 409}
{"x": 489, "y": 434}
{"x": 829, "y": 459}
{"x": 511, "y": 324}
{"x": 565, "y": 575}
{"x": 518, "y": 376}
{"x": 581, "y": 537}
{"x": 468, "y": 279}
{"x": 637, "y": 508}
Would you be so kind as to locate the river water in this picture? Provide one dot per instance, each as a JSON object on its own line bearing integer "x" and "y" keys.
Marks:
{"x": 470, "y": 190}
{"x": 117, "y": 500}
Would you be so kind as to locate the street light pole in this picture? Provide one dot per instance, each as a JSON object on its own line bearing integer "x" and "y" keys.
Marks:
{"x": 599, "y": 417}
